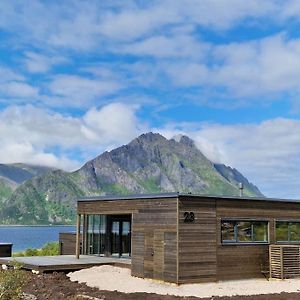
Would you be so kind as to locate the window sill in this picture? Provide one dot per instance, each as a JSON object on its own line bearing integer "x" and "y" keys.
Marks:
{"x": 287, "y": 243}
{"x": 245, "y": 244}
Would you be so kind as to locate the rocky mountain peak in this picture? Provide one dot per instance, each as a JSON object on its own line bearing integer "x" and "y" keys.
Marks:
{"x": 148, "y": 164}
{"x": 185, "y": 140}
{"x": 150, "y": 137}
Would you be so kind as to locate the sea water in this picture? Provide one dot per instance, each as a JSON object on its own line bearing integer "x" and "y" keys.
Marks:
{"x": 24, "y": 237}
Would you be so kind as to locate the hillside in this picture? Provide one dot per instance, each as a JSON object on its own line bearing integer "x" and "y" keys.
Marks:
{"x": 148, "y": 164}
{"x": 13, "y": 175}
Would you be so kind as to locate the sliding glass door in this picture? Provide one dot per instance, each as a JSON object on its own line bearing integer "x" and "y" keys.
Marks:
{"x": 96, "y": 235}
{"x": 107, "y": 235}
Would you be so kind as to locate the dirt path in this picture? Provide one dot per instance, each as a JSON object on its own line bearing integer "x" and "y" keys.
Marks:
{"x": 57, "y": 286}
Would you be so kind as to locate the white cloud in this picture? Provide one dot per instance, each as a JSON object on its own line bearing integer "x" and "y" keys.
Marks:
{"x": 178, "y": 46}
{"x": 267, "y": 153}
{"x": 81, "y": 91}
{"x": 14, "y": 85}
{"x": 30, "y": 134}
{"x": 40, "y": 63}
{"x": 86, "y": 25}
{"x": 113, "y": 120}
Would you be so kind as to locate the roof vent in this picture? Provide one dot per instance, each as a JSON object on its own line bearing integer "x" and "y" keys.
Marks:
{"x": 241, "y": 187}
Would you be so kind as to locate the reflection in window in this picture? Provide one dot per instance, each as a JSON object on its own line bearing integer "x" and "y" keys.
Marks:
{"x": 228, "y": 231}
{"x": 287, "y": 231}
{"x": 244, "y": 231}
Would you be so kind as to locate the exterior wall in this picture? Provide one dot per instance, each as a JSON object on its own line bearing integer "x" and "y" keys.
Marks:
{"x": 166, "y": 247}
{"x": 67, "y": 243}
{"x": 197, "y": 241}
{"x": 154, "y": 233}
{"x": 248, "y": 261}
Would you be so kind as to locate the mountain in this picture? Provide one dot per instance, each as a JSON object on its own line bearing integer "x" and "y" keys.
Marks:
{"x": 18, "y": 173}
{"x": 148, "y": 164}
{"x": 13, "y": 175}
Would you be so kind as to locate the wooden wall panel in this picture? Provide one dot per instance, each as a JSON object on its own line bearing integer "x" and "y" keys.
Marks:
{"x": 151, "y": 219}
{"x": 248, "y": 261}
{"x": 137, "y": 253}
{"x": 197, "y": 241}
{"x": 170, "y": 257}
{"x": 67, "y": 242}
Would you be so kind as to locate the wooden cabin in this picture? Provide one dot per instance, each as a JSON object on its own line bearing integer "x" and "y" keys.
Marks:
{"x": 185, "y": 238}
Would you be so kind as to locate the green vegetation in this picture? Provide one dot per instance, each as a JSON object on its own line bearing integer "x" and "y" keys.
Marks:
{"x": 115, "y": 189}
{"x": 48, "y": 249}
{"x": 12, "y": 282}
{"x": 150, "y": 185}
{"x": 150, "y": 164}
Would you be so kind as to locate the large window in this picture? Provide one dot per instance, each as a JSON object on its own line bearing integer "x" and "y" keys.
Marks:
{"x": 287, "y": 231}
{"x": 244, "y": 231}
{"x": 95, "y": 235}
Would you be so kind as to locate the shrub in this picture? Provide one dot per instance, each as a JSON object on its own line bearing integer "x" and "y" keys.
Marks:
{"x": 12, "y": 282}
{"x": 51, "y": 248}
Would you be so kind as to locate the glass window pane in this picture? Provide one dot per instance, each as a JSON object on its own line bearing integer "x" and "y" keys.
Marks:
{"x": 282, "y": 233}
{"x": 260, "y": 231}
{"x": 294, "y": 232}
{"x": 227, "y": 229}
{"x": 244, "y": 231}
{"x": 102, "y": 230}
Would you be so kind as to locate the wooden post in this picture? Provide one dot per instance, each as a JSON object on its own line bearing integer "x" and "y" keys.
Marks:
{"x": 78, "y": 236}
{"x": 270, "y": 261}
{"x": 281, "y": 263}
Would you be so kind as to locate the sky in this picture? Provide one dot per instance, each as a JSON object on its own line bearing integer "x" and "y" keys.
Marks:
{"x": 81, "y": 77}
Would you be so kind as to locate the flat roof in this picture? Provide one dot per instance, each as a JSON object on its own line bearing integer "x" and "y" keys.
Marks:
{"x": 178, "y": 195}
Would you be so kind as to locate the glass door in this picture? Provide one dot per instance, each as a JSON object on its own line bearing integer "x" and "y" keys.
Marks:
{"x": 115, "y": 238}
{"x": 126, "y": 239}
{"x": 121, "y": 236}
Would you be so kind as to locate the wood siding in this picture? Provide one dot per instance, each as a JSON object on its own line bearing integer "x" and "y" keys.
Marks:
{"x": 67, "y": 243}
{"x": 153, "y": 236}
{"x": 248, "y": 261}
{"x": 197, "y": 241}
{"x": 167, "y": 248}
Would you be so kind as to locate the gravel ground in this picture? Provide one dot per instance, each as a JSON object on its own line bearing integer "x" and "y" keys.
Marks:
{"x": 57, "y": 286}
{"x": 115, "y": 278}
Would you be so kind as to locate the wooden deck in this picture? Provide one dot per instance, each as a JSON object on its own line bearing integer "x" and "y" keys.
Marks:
{"x": 64, "y": 262}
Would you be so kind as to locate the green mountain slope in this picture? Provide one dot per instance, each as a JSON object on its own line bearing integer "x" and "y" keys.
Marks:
{"x": 148, "y": 164}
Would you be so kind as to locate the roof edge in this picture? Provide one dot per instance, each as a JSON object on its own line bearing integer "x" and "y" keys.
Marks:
{"x": 178, "y": 195}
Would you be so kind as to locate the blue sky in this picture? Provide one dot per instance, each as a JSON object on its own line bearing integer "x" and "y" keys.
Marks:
{"x": 81, "y": 77}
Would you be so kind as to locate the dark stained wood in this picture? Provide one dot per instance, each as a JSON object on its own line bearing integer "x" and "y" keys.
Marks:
{"x": 248, "y": 261}
{"x": 167, "y": 248}
{"x": 67, "y": 242}
{"x": 5, "y": 249}
{"x": 153, "y": 236}
{"x": 197, "y": 241}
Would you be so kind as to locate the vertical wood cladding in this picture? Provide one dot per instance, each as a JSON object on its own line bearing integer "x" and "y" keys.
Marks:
{"x": 154, "y": 232}
{"x": 197, "y": 241}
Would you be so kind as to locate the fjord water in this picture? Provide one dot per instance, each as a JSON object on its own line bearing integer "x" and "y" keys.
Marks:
{"x": 24, "y": 237}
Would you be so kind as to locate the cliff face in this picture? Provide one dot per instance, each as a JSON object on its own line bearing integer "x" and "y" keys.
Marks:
{"x": 148, "y": 164}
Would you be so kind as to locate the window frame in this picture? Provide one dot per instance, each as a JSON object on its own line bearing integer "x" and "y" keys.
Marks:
{"x": 289, "y": 221}
{"x": 236, "y": 241}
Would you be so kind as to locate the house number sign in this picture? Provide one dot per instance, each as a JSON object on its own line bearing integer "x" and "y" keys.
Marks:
{"x": 189, "y": 217}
